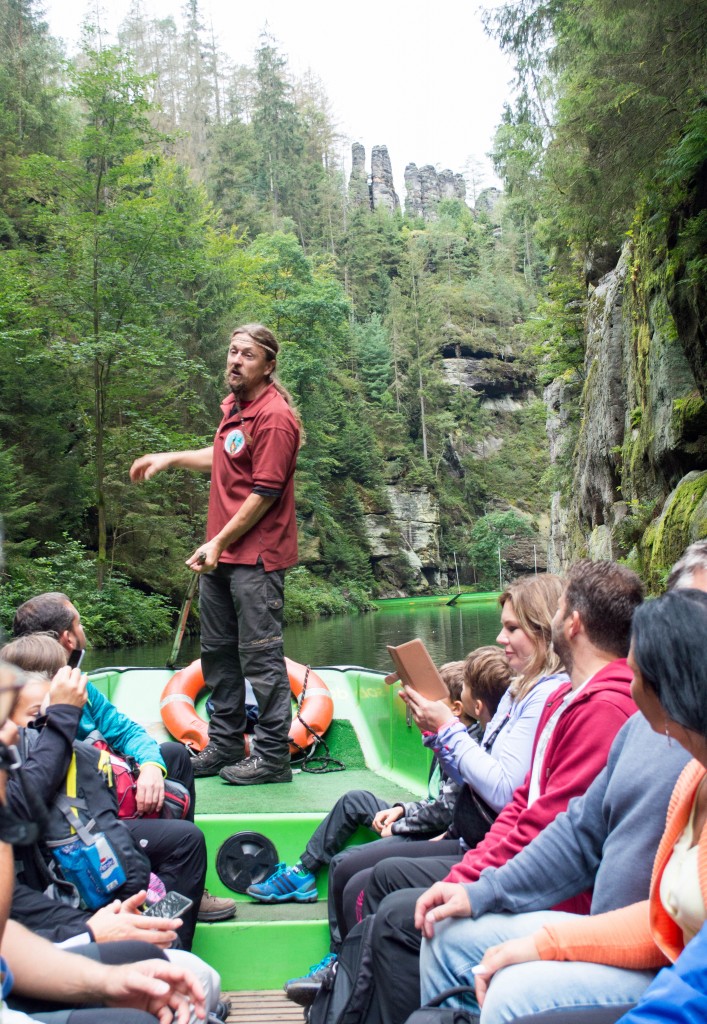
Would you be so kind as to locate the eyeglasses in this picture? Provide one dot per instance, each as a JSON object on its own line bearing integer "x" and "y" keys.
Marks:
{"x": 11, "y": 682}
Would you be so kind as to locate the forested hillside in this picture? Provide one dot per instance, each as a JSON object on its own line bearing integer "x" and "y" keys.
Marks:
{"x": 154, "y": 195}
{"x": 604, "y": 155}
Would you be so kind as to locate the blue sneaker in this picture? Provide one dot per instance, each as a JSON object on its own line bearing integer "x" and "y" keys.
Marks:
{"x": 284, "y": 885}
{"x": 303, "y": 990}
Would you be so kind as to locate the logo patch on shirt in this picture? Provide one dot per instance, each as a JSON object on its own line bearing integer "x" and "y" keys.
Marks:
{"x": 234, "y": 442}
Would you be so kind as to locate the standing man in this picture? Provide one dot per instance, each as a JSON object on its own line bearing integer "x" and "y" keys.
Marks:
{"x": 251, "y": 538}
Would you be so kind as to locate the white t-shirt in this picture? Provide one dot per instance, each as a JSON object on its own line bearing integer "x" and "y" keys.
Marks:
{"x": 548, "y": 729}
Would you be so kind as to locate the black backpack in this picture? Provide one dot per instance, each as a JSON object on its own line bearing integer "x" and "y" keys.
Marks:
{"x": 434, "y": 1013}
{"x": 346, "y": 995}
{"x": 80, "y": 826}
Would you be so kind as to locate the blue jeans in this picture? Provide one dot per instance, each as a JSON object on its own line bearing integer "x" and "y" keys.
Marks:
{"x": 241, "y": 637}
{"x": 522, "y": 989}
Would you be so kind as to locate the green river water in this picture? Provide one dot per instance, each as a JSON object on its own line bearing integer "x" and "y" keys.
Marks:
{"x": 449, "y": 633}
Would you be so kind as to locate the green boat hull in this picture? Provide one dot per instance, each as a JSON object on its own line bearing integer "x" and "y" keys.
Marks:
{"x": 382, "y": 751}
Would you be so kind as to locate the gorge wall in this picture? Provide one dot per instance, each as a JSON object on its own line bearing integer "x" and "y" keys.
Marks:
{"x": 629, "y": 431}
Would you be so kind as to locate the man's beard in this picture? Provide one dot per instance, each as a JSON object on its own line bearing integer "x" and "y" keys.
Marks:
{"x": 236, "y": 385}
{"x": 562, "y": 648}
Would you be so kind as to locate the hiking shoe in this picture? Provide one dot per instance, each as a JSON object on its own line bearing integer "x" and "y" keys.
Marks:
{"x": 254, "y": 770}
{"x": 303, "y": 991}
{"x": 215, "y": 908}
{"x": 209, "y": 761}
{"x": 284, "y": 885}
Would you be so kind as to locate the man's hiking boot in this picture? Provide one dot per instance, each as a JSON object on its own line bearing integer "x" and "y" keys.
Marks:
{"x": 209, "y": 761}
{"x": 254, "y": 770}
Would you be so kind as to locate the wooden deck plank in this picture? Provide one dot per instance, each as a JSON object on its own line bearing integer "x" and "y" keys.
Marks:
{"x": 269, "y": 1007}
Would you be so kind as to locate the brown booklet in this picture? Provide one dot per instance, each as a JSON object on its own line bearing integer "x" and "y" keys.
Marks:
{"x": 415, "y": 668}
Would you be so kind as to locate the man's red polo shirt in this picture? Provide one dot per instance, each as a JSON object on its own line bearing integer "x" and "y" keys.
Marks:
{"x": 256, "y": 446}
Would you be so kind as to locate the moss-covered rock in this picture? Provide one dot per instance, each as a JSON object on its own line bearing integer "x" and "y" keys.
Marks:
{"x": 682, "y": 521}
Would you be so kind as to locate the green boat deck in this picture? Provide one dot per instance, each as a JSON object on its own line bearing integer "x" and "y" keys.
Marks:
{"x": 382, "y": 752}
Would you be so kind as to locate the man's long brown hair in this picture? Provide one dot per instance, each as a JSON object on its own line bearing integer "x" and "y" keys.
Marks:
{"x": 265, "y": 339}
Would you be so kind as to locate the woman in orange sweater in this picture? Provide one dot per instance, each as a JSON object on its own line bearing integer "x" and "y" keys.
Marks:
{"x": 669, "y": 659}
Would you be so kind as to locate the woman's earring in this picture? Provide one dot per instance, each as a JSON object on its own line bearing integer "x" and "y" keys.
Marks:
{"x": 670, "y": 738}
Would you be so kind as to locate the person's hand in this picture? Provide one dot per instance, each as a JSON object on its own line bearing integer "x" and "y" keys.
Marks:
{"x": 148, "y": 466}
{"x": 429, "y": 715}
{"x": 119, "y": 922}
{"x": 385, "y": 818}
{"x": 149, "y": 792}
{"x": 206, "y": 556}
{"x": 515, "y": 951}
{"x": 443, "y": 899}
{"x": 69, "y": 687}
{"x": 9, "y": 734}
{"x": 156, "y": 986}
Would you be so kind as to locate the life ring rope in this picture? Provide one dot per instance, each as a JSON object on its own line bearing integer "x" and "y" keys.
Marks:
{"x": 315, "y": 763}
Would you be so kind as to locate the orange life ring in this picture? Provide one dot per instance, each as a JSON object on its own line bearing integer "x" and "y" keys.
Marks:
{"x": 177, "y": 706}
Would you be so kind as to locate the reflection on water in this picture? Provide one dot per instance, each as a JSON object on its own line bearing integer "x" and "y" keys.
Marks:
{"x": 448, "y": 634}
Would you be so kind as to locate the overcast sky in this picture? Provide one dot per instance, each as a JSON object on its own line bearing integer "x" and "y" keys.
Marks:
{"x": 423, "y": 80}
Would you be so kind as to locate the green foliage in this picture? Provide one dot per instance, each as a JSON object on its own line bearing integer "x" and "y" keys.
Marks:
{"x": 683, "y": 520}
{"x": 605, "y": 88}
{"x": 516, "y": 471}
{"x": 554, "y": 333}
{"x": 120, "y": 283}
{"x": 370, "y": 255}
{"x": 373, "y": 357}
{"x": 489, "y": 538}
{"x": 113, "y": 614}
{"x": 307, "y": 596}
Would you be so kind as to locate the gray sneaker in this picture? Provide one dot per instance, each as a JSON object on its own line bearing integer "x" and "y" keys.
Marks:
{"x": 254, "y": 770}
{"x": 209, "y": 761}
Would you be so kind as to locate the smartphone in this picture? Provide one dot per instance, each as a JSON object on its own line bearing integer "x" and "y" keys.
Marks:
{"x": 75, "y": 657}
{"x": 172, "y": 905}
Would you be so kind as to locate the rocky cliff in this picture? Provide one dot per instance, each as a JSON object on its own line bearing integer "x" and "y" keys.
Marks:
{"x": 637, "y": 458}
{"x": 425, "y": 188}
{"x": 359, "y": 189}
{"x": 382, "y": 188}
{"x": 403, "y": 521}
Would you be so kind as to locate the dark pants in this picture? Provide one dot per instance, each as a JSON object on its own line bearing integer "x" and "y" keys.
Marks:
{"x": 396, "y": 954}
{"x": 357, "y": 807}
{"x": 94, "y": 1015}
{"x": 177, "y": 853}
{"x": 412, "y": 870}
{"x": 107, "y": 953}
{"x": 178, "y": 763}
{"x": 391, "y": 894}
{"x": 241, "y": 636}
{"x": 354, "y": 871}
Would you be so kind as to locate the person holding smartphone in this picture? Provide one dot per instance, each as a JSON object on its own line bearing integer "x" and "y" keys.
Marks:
{"x": 176, "y": 848}
{"x": 126, "y": 993}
